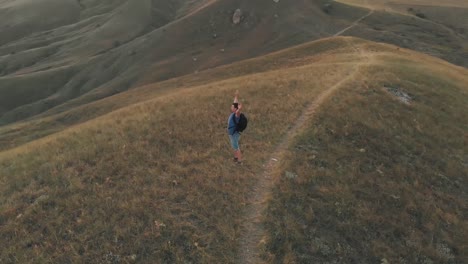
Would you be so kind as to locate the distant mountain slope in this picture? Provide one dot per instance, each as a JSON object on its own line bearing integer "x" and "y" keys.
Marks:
{"x": 21, "y": 18}
{"x": 437, "y": 28}
{"x": 89, "y": 49}
{"x": 376, "y": 174}
{"x": 119, "y": 48}
{"x": 75, "y": 52}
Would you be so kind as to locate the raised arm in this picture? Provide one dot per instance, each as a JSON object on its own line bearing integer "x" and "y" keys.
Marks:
{"x": 236, "y": 101}
{"x": 238, "y": 111}
{"x": 236, "y": 97}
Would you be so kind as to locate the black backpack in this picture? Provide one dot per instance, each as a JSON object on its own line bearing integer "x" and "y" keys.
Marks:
{"x": 242, "y": 124}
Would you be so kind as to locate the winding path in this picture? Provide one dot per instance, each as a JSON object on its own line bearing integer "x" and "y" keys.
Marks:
{"x": 253, "y": 234}
{"x": 355, "y": 23}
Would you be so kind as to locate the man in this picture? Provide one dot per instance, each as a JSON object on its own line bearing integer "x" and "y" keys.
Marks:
{"x": 234, "y": 135}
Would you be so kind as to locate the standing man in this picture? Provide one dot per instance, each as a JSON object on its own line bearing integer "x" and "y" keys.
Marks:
{"x": 233, "y": 133}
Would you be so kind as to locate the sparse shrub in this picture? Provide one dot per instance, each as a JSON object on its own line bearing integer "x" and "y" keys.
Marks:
{"x": 417, "y": 13}
{"x": 80, "y": 2}
{"x": 327, "y": 8}
{"x": 421, "y": 15}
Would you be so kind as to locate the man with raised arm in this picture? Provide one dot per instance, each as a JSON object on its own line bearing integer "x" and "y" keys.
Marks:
{"x": 234, "y": 134}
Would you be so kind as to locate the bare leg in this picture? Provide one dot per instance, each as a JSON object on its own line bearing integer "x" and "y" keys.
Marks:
{"x": 238, "y": 155}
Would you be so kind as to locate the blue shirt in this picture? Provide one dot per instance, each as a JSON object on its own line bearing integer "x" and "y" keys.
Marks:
{"x": 231, "y": 129}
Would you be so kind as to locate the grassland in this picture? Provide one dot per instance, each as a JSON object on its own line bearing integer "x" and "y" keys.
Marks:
{"x": 48, "y": 123}
{"x": 105, "y": 183}
{"x": 375, "y": 179}
{"x": 153, "y": 182}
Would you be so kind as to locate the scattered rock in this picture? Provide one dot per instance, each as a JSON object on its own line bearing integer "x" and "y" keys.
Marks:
{"x": 159, "y": 225}
{"x": 322, "y": 248}
{"x": 112, "y": 258}
{"x": 40, "y": 199}
{"x": 445, "y": 251}
{"x": 290, "y": 175}
{"x": 425, "y": 260}
{"x": 402, "y": 96}
{"x": 236, "y": 18}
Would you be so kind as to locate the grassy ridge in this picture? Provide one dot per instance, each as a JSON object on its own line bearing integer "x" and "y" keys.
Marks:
{"x": 153, "y": 181}
{"x": 375, "y": 179}
{"x": 331, "y": 50}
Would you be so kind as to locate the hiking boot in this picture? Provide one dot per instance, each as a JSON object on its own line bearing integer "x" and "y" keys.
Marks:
{"x": 235, "y": 159}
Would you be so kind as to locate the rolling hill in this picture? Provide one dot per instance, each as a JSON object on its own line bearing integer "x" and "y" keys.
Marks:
{"x": 87, "y": 50}
{"x": 355, "y": 153}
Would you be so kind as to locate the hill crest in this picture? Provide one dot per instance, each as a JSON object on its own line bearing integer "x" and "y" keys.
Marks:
{"x": 109, "y": 47}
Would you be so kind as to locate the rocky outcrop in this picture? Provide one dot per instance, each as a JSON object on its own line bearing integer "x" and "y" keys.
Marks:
{"x": 236, "y": 18}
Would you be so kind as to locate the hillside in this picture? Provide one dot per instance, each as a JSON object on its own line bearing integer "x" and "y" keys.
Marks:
{"x": 437, "y": 28}
{"x": 339, "y": 167}
{"x": 59, "y": 55}
{"x": 116, "y": 45}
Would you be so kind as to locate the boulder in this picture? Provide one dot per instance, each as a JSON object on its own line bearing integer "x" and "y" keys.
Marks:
{"x": 236, "y": 18}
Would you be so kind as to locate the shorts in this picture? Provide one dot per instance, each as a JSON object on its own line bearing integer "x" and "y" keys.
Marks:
{"x": 235, "y": 140}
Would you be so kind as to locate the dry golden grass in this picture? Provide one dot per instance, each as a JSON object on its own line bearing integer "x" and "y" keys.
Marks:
{"x": 17, "y": 134}
{"x": 376, "y": 178}
{"x": 153, "y": 182}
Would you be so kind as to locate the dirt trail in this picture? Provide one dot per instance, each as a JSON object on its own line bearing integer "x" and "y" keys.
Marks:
{"x": 189, "y": 14}
{"x": 354, "y": 23}
{"x": 204, "y": 5}
{"x": 253, "y": 233}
